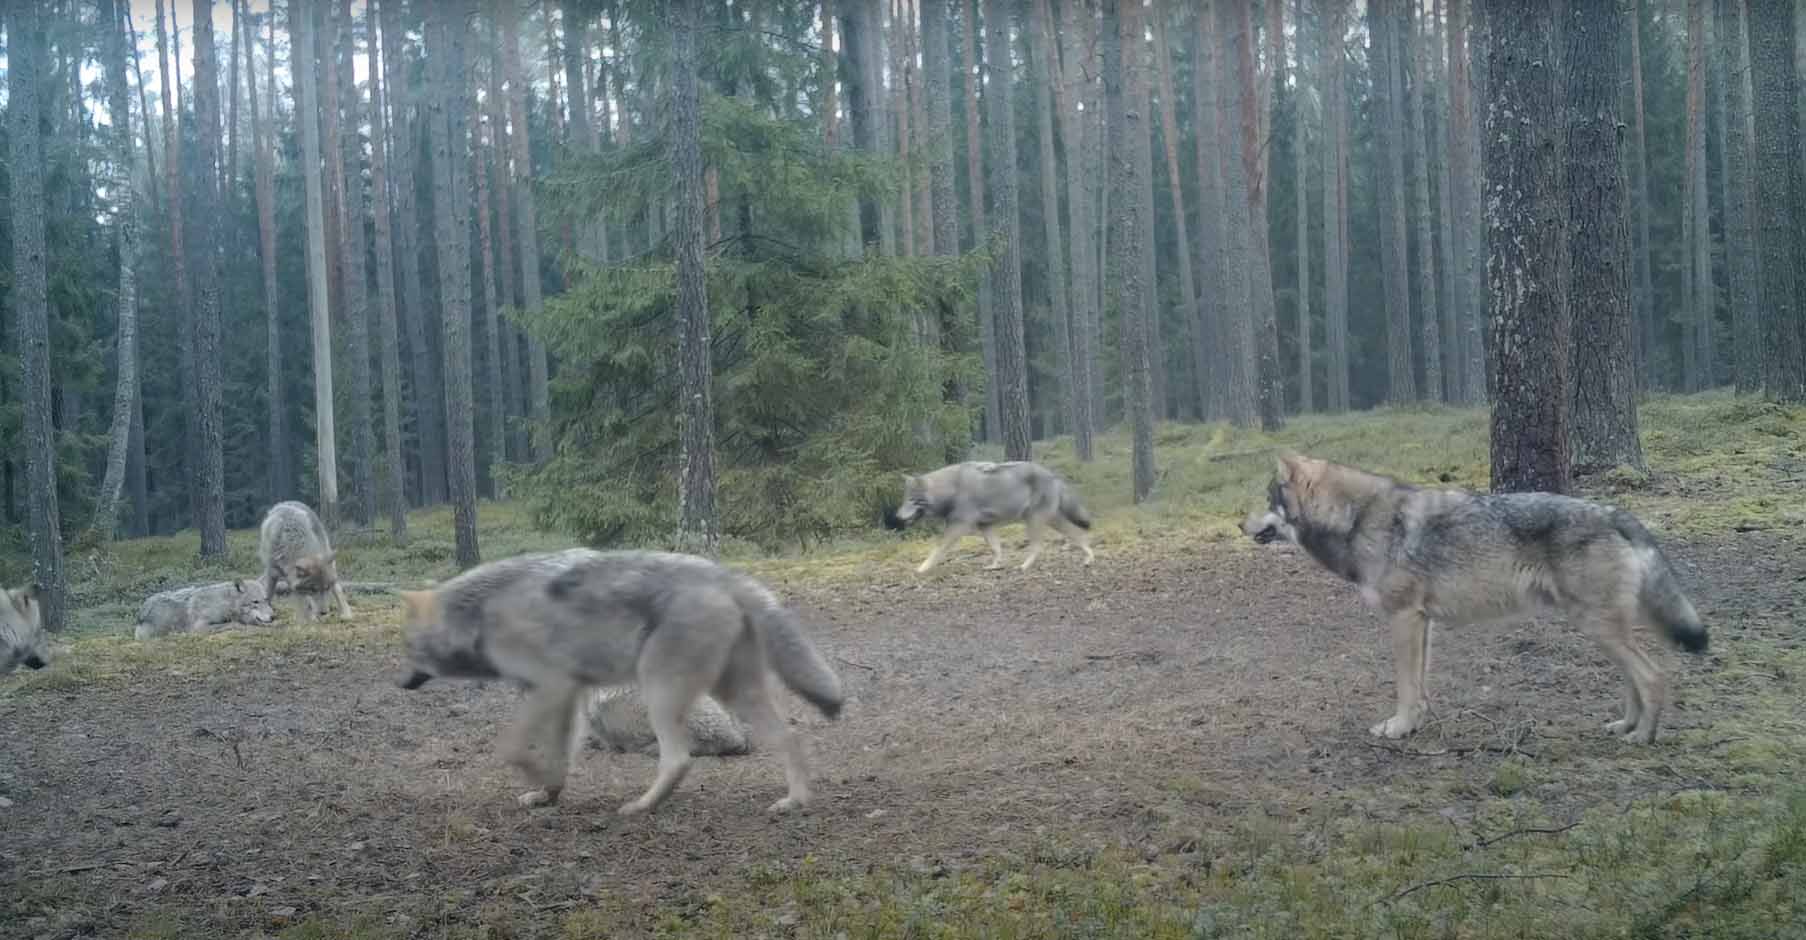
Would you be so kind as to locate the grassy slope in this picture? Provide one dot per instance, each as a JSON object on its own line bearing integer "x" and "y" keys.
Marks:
{"x": 1719, "y": 862}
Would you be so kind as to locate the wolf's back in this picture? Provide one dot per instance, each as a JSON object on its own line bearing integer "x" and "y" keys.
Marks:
{"x": 793, "y": 657}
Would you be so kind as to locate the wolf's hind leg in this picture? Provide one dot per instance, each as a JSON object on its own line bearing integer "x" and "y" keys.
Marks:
{"x": 1037, "y": 530}
{"x": 996, "y": 545}
{"x": 747, "y": 694}
{"x": 666, "y": 707}
{"x": 1075, "y": 536}
{"x": 1644, "y": 685}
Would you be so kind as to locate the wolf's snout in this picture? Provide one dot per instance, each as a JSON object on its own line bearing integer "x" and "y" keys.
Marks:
{"x": 415, "y": 680}
{"x": 34, "y": 661}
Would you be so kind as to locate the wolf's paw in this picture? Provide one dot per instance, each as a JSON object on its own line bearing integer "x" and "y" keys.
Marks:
{"x": 922, "y": 568}
{"x": 993, "y": 566}
{"x": 789, "y": 804}
{"x": 1619, "y": 728}
{"x": 1640, "y": 735}
{"x": 634, "y": 808}
{"x": 1394, "y": 728}
{"x": 533, "y": 798}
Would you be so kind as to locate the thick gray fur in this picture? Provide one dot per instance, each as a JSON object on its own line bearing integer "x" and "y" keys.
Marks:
{"x": 201, "y": 607}
{"x": 675, "y": 626}
{"x": 978, "y": 496}
{"x": 618, "y": 722}
{"x": 295, "y": 551}
{"x": 22, "y": 639}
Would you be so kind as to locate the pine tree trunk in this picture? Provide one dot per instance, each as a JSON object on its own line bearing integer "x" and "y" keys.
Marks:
{"x": 698, "y": 527}
{"x": 1307, "y": 393}
{"x": 175, "y": 209}
{"x": 427, "y": 400}
{"x": 897, "y": 121}
{"x": 210, "y": 381}
{"x": 1188, "y": 285}
{"x": 1697, "y": 244}
{"x": 394, "y": 501}
{"x": 1464, "y": 172}
{"x": 926, "y": 243}
{"x": 451, "y": 215}
{"x": 343, "y": 153}
{"x": 944, "y": 201}
{"x": 125, "y": 215}
{"x": 282, "y": 470}
{"x": 1777, "y": 197}
{"x": 1388, "y": 87}
{"x": 136, "y": 478}
{"x": 1335, "y": 205}
{"x": 508, "y": 286}
{"x": 1270, "y": 387}
{"x": 1043, "y": 80}
{"x": 1598, "y": 242}
{"x": 975, "y": 180}
{"x": 1126, "y": 107}
{"x": 1645, "y": 326}
{"x": 1528, "y": 337}
{"x": 1238, "y": 331}
{"x": 1006, "y": 239}
{"x": 1213, "y": 236}
{"x": 318, "y": 292}
{"x": 528, "y": 220}
{"x": 1744, "y": 273}
{"x": 491, "y": 444}
{"x": 1448, "y": 280}
{"x": 1412, "y": 44}
{"x": 29, "y": 298}
{"x": 1066, "y": 80}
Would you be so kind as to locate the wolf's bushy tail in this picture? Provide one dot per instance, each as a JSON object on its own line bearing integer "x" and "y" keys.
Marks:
{"x": 793, "y": 657}
{"x": 1660, "y": 593}
{"x": 1072, "y": 509}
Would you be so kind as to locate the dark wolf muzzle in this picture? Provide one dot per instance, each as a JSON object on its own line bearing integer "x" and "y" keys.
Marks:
{"x": 416, "y": 680}
{"x": 1267, "y": 536}
{"x": 34, "y": 661}
{"x": 892, "y": 521}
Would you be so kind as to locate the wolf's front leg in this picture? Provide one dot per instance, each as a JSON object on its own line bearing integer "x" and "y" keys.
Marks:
{"x": 545, "y": 727}
{"x": 996, "y": 545}
{"x": 1410, "y": 639}
{"x": 955, "y": 532}
{"x": 338, "y": 593}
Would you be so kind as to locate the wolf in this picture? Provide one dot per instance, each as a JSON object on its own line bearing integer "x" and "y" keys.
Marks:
{"x": 677, "y": 626}
{"x": 197, "y": 608}
{"x": 22, "y": 640}
{"x": 294, "y": 550}
{"x": 1423, "y": 554}
{"x": 618, "y": 722}
{"x": 979, "y": 495}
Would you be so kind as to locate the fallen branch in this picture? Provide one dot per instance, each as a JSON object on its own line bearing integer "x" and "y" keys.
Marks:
{"x": 1472, "y": 876}
{"x": 847, "y": 662}
{"x": 1466, "y": 749}
{"x": 1541, "y": 831}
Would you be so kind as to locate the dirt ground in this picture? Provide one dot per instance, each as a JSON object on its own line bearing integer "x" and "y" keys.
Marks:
{"x": 1137, "y": 704}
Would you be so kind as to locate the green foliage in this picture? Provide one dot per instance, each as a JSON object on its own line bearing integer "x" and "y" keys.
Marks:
{"x": 823, "y": 389}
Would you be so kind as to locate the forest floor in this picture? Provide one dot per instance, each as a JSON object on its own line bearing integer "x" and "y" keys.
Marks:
{"x": 1171, "y": 743}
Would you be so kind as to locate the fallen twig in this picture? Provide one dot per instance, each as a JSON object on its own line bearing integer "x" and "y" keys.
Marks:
{"x": 847, "y": 662}
{"x": 1534, "y": 830}
{"x": 1466, "y": 749}
{"x": 1472, "y": 876}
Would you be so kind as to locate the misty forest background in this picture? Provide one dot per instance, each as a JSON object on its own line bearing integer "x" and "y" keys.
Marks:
{"x": 723, "y": 269}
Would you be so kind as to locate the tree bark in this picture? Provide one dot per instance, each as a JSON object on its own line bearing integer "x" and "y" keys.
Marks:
{"x": 1448, "y": 281}
{"x": 975, "y": 181}
{"x": 29, "y": 299}
{"x": 1270, "y": 386}
{"x": 1777, "y": 197}
{"x": 1238, "y": 330}
{"x": 1006, "y": 238}
{"x": 125, "y": 215}
{"x": 1043, "y": 79}
{"x": 1394, "y": 275}
{"x": 343, "y": 156}
{"x": 451, "y": 216}
{"x": 1697, "y": 241}
{"x": 1529, "y": 338}
{"x": 538, "y": 376}
{"x": 282, "y": 470}
{"x": 206, "y": 200}
{"x": 1335, "y": 205}
{"x": 1068, "y": 87}
{"x": 698, "y": 527}
{"x": 1302, "y": 217}
{"x": 427, "y": 402}
{"x": 318, "y": 293}
{"x": 1126, "y": 106}
{"x": 1407, "y": 37}
{"x": 495, "y": 419}
{"x": 1645, "y": 326}
{"x": 1598, "y": 244}
{"x": 1188, "y": 285}
{"x": 1213, "y": 237}
{"x": 175, "y": 208}
{"x": 1744, "y": 272}
{"x": 394, "y": 500}
{"x": 1464, "y": 171}
{"x": 508, "y": 285}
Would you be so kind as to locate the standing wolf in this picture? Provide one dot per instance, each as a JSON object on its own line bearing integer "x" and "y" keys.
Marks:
{"x": 293, "y": 547}
{"x": 22, "y": 639}
{"x": 979, "y": 495}
{"x": 677, "y": 625}
{"x": 1457, "y": 557}
{"x": 195, "y": 609}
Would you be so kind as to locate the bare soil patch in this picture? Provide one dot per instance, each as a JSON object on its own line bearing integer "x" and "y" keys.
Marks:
{"x": 993, "y": 715}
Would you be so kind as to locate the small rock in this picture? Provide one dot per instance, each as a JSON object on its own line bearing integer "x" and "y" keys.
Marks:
{"x": 789, "y": 920}
{"x": 155, "y": 885}
{"x": 874, "y": 814}
{"x": 5, "y": 803}
{"x": 257, "y": 890}
{"x": 282, "y": 912}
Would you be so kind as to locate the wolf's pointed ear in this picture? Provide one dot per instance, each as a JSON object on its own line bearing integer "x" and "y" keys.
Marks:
{"x": 329, "y": 557}
{"x": 238, "y": 585}
{"x": 1286, "y": 464}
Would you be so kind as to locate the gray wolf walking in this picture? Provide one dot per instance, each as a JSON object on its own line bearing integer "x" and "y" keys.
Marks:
{"x": 293, "y": 547}
{"x": 198, "y": 607}
{"x": 977, "y": 496}
{"x": 1421, "y": 554}
{"x": 677, "y": 626}
{"x": 22, "y": 640}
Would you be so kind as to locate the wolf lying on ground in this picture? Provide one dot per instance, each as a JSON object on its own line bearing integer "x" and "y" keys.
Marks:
{"x": 618, "y": 722}
{"x": 198, "y": 607}
{"x": 677, "y": 626}
{"x": 1458, "y": 557}
{"x": 979, "y": 496}
{"x": 294, "y": 549}
{"x": 22, "y": 640}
